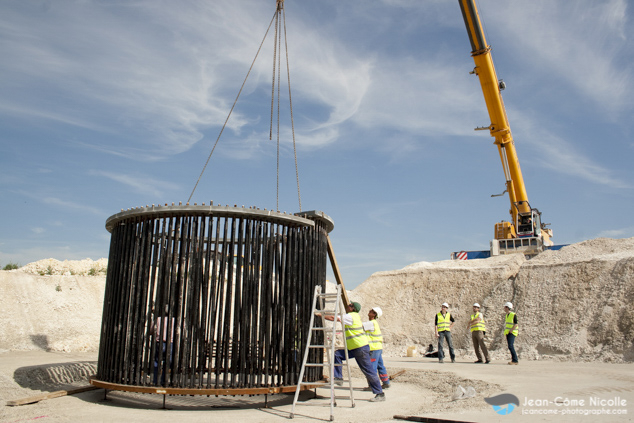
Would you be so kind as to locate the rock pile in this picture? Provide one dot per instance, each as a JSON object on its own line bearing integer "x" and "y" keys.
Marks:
{"x": 572, "y": 304}
{"x": 86, "y": 267}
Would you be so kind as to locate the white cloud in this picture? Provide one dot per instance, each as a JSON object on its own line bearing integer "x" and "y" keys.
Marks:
{"x": 70, "y": 205}
{"x": 582, "y": 44}
{"x": 142, "y": 184}
{"x": 617, "y": 233}
{"x": 561, "y": 156}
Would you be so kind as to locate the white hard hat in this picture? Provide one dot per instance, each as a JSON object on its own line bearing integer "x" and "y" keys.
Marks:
{"x": 508, "y": 304}
{"x": 445, "y": 305}
{"x": 378, "y": 311}
{"x": 476, "y": 305}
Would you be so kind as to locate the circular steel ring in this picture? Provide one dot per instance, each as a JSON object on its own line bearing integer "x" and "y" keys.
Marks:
{"x": 189, "y": 391}
{"x": 298, "y": 219}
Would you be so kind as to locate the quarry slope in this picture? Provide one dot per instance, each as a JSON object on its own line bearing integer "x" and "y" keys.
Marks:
{"x": 572, "y": 304}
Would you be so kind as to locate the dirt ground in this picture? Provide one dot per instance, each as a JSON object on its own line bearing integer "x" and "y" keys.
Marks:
{"x": 424, "y": 389}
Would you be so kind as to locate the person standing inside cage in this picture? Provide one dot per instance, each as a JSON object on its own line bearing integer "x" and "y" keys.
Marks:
{"x": 161, "y": 328}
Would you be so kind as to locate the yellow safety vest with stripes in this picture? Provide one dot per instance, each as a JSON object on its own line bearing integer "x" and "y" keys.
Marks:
{"x": 355, "y": 335}
{"x": 375, "y": 338}
{"x": 509, "y": 324}
{"x": 480, "y": 325}
{"x": 444, "y": 323}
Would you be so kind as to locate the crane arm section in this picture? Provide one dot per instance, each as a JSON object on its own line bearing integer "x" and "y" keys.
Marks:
{"x": 499, "y": 128}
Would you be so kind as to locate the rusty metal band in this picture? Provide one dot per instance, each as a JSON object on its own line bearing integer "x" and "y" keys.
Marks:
{"x": 186, "y": 391}
{"x": 210, "y": 299}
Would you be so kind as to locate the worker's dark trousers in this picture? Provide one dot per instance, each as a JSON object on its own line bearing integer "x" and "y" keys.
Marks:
{"x": 163, "y": 346}
{"x": 362, "y": 355}
{"x": 441, "y": 353}
{"x": 477, "y": 336}
{"x": 510, "y": 339}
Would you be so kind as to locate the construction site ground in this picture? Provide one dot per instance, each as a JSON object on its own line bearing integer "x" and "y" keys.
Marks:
{"x": 425, "y": 388}
{"x": 576, "y": 344}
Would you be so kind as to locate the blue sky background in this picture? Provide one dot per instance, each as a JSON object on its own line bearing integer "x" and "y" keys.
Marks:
{"x": 113, "y": 104}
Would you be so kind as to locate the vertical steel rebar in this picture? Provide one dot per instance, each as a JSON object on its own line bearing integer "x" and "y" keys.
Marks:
{"x": 205, "y": 299}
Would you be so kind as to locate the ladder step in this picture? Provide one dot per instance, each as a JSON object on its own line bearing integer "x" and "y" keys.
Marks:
{"x": 325, "y": 305}
{"x": 319, "y": 383}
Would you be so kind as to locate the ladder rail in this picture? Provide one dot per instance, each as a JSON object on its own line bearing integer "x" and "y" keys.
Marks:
{"x": 306, "y": 351}
{"x": 320, "y": 300}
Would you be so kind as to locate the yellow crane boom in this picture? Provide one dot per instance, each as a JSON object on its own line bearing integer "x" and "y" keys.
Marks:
{"x": 525, "y": 221}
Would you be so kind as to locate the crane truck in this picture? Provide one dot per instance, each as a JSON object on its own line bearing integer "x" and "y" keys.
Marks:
{"x": 525, "y": 232}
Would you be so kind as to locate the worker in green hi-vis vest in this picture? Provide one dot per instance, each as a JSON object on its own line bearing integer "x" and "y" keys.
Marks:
{"x": 511, "y": 331}
{"x": 443, "y": 324}
{"x": 478, "y": 329}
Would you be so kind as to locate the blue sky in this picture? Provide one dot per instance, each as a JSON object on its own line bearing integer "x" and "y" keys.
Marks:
{"x": 107, "y": 105}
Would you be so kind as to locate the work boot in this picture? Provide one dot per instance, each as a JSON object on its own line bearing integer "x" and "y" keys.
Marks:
{"x": 338, "y": 381}
{"x": 385, "y": 386}
{"x": 440, "y": 361}
{"x": 378, "y": 397}
{"x": 513, "y": 362}
{"x": 366, "y": 389}
{"x": 479, "y": 361}
{"x": 487, "y": 362}
{"x": 453, "y": 360}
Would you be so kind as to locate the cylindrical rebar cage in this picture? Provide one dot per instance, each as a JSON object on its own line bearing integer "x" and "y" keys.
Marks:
{"x": 210, "y": 299}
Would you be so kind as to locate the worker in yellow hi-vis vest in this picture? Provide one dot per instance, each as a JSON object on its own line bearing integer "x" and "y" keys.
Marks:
{"x": 444, "y": 323}
{"x": 375, "y": 337}
{"x": 478, "y": 329}
{"x": 511, "y": 331}
{"x": 358, "y": 348}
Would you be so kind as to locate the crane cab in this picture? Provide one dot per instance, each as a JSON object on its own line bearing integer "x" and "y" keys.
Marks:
{"x": 528, "y": 224}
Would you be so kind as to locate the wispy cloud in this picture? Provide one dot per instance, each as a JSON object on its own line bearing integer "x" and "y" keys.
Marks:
{"x": 70, "y": 205}
{"x": 139, "y": 183}
{"x": 584, "y": 45}
{"x": 617, "y": 233}
{"x": 561, "y": 156}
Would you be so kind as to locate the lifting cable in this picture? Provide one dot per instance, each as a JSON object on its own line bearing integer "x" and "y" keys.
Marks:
{"x": 276, "y": 68}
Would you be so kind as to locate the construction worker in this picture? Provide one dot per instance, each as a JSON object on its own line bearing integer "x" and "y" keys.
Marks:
{"x": 511, "y": 331}
{"x": 478, "y": 329}
{"x": 358, "y": 347}
{"x": 373, "y": 330}
{"x": 444, "y": 323}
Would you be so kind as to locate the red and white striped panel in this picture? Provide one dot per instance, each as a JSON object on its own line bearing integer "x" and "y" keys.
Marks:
{"x": 462, "y": 255}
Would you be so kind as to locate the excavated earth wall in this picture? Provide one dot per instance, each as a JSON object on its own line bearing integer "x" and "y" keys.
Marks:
{"x": 572, "y": 304}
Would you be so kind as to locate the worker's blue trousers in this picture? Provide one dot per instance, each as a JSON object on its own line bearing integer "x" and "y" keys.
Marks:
{"x": 441, "y": 354}
{"x": 362, "y": 355}
{"x": 510, "y": 339}
{"x": 376, "y": 356}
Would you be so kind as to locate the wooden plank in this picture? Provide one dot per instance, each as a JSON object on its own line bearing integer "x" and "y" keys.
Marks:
{"x": 335, "y": 269}
{"x": 56, "y": 394}
{"x": 396, "y": 374}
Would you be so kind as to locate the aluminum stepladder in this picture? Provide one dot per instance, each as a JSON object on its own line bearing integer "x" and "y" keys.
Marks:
{"x": 326, "y": 304}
